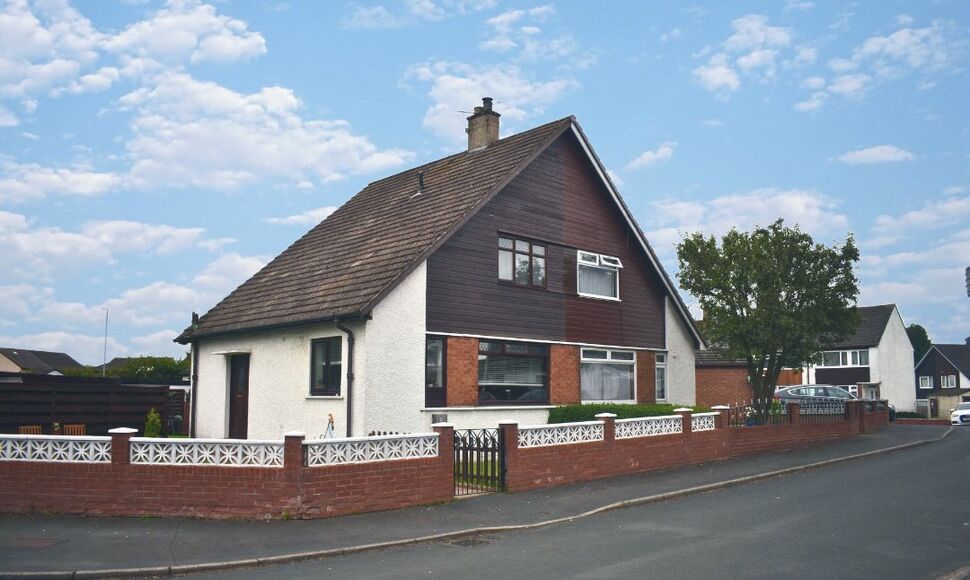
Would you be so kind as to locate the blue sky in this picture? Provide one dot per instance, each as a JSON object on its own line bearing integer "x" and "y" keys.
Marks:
{"x": 154, "y": 155}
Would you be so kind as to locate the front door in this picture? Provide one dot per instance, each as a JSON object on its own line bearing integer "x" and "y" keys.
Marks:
{"x": 238, "y": 396}
{"x": 934, "y": 409}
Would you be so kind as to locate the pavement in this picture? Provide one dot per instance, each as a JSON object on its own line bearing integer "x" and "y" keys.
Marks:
{"x": 76, "y": 546}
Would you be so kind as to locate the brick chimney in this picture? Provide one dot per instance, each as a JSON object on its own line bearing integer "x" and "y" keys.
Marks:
{"x": 482, "y": 126}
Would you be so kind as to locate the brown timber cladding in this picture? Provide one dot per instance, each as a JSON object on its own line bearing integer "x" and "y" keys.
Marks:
{"x": 559, "y": 200}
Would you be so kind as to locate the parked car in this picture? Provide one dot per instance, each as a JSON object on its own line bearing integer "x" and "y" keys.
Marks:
{"x": 960, "y": 415}
{"x": 800, "y": 392}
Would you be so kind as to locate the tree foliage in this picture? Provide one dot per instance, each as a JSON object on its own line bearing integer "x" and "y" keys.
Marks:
{"x": 149, "y": 369}
{"x": 773, "y": 296}
{"x": 920, "y": 340}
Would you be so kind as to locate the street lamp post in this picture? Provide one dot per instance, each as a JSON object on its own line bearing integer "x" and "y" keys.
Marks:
{"x": 104, "y": 353}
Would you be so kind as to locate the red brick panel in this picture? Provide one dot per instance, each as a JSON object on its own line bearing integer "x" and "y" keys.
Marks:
{"x": 722, "y": 385}
{"x": 462, "y": 371}
{"x": 564, "y": 375}
{"x": 646, "y": 377}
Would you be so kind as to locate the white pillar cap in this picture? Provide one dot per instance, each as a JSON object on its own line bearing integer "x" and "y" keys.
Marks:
{"x": 122, "y": 431}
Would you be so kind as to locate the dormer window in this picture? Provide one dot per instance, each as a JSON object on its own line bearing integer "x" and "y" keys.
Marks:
{"x": 521, "y": 262}
{"x": 598, "y": 275}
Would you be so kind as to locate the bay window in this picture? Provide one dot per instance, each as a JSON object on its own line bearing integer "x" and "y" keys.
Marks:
{"x": 513, "y": 372}
{"x": 607, "y": 375}
{"x": 598, "y": 275}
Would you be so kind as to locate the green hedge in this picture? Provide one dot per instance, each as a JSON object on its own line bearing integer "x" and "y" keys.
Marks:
{"x": 588, "y": 412}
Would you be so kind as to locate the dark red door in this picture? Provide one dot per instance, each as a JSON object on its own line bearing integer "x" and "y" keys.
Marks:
{"x": 238, "y": 396}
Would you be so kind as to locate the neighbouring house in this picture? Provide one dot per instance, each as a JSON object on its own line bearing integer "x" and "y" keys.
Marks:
{"x": 874, "y": 362}
{"x": 722, "y": 380}
{"x": 941, "y": 379}
{"x": 37, "y": 362}
{"x": 487, "y": 285}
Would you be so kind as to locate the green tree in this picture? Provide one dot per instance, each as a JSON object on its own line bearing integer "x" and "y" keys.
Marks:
{"x": 153, "y": 424}
{"x": 772, "y": 297}
{"x": 920, "y": 340}
{"x": 151, "y": 369}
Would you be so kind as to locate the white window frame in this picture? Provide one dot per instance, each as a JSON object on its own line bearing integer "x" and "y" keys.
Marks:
{"x": 846, "y": 357}
{"x": 929, "y": 381}
{"x": 948, "y": 381}
{"x": 584, "y": 359}
{"x": 602, "y": 262}
{"x": 661, "y": 363}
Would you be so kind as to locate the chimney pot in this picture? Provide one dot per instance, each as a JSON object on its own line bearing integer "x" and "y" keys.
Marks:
{"x": 420, "y": 181}
{"x": 482, "y": 126}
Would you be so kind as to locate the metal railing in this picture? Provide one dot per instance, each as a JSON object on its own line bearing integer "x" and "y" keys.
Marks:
{"x": 758, "y": 412}
{"x": 479, "y": 465}
{"x": 820, "y": 410}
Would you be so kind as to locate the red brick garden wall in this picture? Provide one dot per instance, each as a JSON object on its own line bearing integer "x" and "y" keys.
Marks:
{"x": 226, "y": 492}
{"x": 722, "y": 385}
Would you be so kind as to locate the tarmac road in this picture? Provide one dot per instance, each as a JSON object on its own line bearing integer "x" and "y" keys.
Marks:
{"x": 899, "y": 515}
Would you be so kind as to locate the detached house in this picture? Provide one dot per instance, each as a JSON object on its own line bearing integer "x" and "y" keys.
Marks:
{"x": 487, "y": 285}
{"x": 942, "y": 378}
{"x": 875, "y": 362}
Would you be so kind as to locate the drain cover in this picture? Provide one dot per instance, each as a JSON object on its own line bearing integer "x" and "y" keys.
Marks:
{"x": 37, "y": 542}
{"x": 471, "y": 542}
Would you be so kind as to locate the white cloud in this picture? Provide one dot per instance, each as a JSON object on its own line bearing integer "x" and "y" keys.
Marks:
{"x": 311, "y": 217}
{"x": 913, "y": 48}
{"x": 814, "y": 83}
{"x": 798, "y": 5}
{"x": 84, "y": 348}
{"x": 410, "y": 13}
{"x": 7, "y": 117}
{"x": 672, "y": 34}
{"x": 932, "y": 216}
{"x": 27, "y": 181}
{"x": 518, "y": 29}
{"x": 41, "y": 252}
{"x": 752, "y": 32}
{"x": 853, "y": 86}
{"x": 841, "y": 65}
{"x": 717, "y": 76}
{"x": 715, "y": 123}
{"x": 955, "y": 189}
{"x": 372, "y": 18}
{"x": 670, "y": 218}
{"x": 456, "y": 86}
{"x": 229, "y": 139}
{"x": 813, "y": 102}
{"x": 663, "y": 153}
{"x": 876, "y": 154}
{"x": 160, "y": 343}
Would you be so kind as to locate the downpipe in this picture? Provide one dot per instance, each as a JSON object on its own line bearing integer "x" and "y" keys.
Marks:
{"x": 350, "y": 375}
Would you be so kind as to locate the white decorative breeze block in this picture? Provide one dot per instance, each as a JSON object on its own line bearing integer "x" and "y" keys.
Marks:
{"x": 55, "y": 448}
{"x": 369, "y": 449}
{"x": 649, "y": 426}
{"x": 223, "y": 452}
{"x": 703, "y": 421}
{"x": 562, "y": 434}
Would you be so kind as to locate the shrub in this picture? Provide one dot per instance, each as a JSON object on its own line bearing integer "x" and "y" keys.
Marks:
{"x": 588, "y": 411}
{"x": 909, "y": 415}
{"x": 153, "y": 424}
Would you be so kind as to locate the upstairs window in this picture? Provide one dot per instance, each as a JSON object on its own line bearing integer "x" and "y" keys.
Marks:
{"x": 598, "y": 275}
{"x": 948, "y": 381}
{"x": 521, "y": 262}
{"x": 926, "y": 382}
{"x": 325, "y": 365}
{"x": 846, "y": 358}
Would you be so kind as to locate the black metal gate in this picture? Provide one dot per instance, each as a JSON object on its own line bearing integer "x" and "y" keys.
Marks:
{"x": 479, "y": 461}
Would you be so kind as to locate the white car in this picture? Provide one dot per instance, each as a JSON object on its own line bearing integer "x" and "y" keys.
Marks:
{"x": 960, "y": 415}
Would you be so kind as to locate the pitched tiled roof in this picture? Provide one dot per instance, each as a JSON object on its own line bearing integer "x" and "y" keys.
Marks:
{"x": 39, "y": 361}
{"x": 872, "y": 323}
{"x": 344, "y": 266}
{"x": 717, "y": 358}
{"x": 958, "y": 354}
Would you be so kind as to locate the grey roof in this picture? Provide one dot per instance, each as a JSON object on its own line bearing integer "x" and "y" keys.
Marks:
{"x": 958, "y": 354}
{"x": 717, "y": 358}
{"x": 872, "y": 323}
{"x": 39, "y": 361}
{"x": 346, "y": 264}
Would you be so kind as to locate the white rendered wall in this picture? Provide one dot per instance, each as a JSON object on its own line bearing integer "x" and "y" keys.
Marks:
{"x": 681, "y": 387}
{"x": 394, "y": 360}
{"x": 893, "y": 365}
{"x": 484, "y": 417}
{"x": 279, "y": 383}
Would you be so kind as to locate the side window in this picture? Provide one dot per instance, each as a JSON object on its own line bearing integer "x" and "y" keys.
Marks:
{"x": 325, "y": 366}
{"x": 521, "y": 262}
{"x": 661, "y": 377}
{"x": 597, "y": 275}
